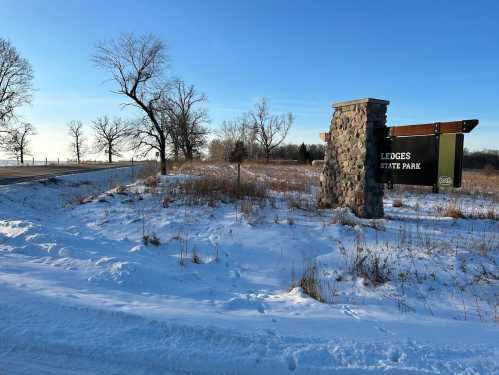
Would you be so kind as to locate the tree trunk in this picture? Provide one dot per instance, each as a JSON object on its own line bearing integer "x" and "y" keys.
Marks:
{"x": 175, "y": 152}
{"x": 22, "y": 156}
{"x": 238, "y": 177}
{"x": 188, "y": 153}
{"x": 162, "y": 156}
{"x": 110, "y": 156}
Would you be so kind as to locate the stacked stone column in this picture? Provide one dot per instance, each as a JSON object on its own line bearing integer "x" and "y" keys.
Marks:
{"x": 349, "y": 175}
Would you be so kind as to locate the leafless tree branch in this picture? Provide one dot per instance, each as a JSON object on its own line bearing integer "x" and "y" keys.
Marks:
{"x": 78, "y": 140}
{"x": 16, "y": 82}
{"x": 137, "y": 65}
{"x": 111, "y": 136}
{"x": 17, "y": 140}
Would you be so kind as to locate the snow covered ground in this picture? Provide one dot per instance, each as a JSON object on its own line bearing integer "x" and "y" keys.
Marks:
{"x": 81, "y": 294}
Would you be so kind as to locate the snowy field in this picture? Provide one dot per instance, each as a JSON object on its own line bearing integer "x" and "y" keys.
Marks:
{"x": 218, "y": 287}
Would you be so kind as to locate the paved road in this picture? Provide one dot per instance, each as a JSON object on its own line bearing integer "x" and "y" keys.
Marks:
{"x": 11, "y": 175}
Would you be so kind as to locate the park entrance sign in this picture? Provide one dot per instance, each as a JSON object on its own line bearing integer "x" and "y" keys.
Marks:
{"x": 363, "y": 154}
{"x": 425, "y": 155}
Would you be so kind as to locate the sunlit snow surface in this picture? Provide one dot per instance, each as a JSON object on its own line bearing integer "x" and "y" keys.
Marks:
{"x": 81, "y": 294}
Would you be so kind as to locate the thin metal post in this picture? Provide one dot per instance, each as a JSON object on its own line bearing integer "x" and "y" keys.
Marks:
{"x": 436, "y": 131}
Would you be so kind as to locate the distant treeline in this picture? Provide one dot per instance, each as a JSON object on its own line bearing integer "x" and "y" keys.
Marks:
{"x": 299, "y": 152}
{"x": 220, "y": 150}
{"x": 481, "y": 159}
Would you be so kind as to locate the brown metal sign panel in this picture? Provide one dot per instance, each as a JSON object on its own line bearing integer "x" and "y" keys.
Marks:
{"x": 462, "y": 126}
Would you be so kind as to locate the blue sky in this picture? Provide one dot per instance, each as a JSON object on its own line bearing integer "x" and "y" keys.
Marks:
{"x": 434, "y": 60}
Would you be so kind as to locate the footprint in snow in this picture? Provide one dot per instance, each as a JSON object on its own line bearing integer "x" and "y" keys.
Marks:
{"x": 384, "y": 330}
{"x": 291, "y": 363}
{"x": 350, "y": 313}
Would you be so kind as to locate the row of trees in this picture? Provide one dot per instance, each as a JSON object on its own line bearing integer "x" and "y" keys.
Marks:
{"x": 260, "y": 131}
{"x": 173, "y": 115}
{"x": 110, "y": 137}
{"x": 481, "y": 159}
{"x": 220, "y": 150}
{"x": 261, "y": 134}
{"x": 173, "y": 118}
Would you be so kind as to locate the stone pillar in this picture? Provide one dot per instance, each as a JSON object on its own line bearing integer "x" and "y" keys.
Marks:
{"x": 349, "y": 175}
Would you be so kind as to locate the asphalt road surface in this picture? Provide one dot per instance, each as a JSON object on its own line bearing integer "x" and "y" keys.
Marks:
{"x": 12, "y": 175}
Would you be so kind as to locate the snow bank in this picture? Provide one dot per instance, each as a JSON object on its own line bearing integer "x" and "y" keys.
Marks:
{"x": 80, "y": 293}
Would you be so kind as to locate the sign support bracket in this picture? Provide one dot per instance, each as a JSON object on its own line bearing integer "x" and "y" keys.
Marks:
{"x": 436, "y": 131}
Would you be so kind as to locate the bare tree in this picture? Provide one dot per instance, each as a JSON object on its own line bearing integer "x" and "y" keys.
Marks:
{"x": 111, "y": 136}
{"x": 16, "y": 81}
{"x": 137, "y": 65}
{"x": 78, "y": 140}
{"x": 238, "y": 130}
{"x": 230, "y": 132}
{"x": 167, "y": 121}
{"x": 217, "y": 150}
{"x": 185, "y": 120}
{"x": 16, "y": 142}
{"x": 145, "y": 138}
{"x": 271, "y": 130}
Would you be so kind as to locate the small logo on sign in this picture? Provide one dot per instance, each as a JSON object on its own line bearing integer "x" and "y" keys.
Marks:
{"x": 444, "y": 180}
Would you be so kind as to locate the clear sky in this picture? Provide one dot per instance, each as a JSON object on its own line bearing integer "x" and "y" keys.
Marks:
{"x": 434, "y": 60}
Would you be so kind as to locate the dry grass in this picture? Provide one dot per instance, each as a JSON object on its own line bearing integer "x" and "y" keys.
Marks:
{"x": 285, "y": 178}
{"x": 299, "y": 184}
{"x": 451, "y": 209}
{"x": 310, "y": 282}
{"x": 121, "y": 189}
{"x": 344, "y": 217}
{"x": 316, "y": 282}
{"x": 195, "y": 258}
{"x": 275, "y": 176}
{"x": 455, "y": 210}
{"x": 370, "y": 264}
{"x": 480, "y": 182}
{"x": 211, "y": 190}
{"x": 397, "y": 202}
{"x": 147, "y": 170}
{"x": 83, "y": 199}
{"x": 151, "y": 182}
{"x": 298, "y": 177}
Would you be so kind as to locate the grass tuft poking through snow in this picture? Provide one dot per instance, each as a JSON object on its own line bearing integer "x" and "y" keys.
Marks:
{"x": 151, "y": 239}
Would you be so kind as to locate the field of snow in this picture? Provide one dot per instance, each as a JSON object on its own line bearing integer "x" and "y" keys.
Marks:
{"x": 80, "y": 292}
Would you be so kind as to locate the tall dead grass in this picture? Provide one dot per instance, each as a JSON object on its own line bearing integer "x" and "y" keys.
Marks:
{"x": 456, "y": 210}
{"x": 479, "y": 183}
{"x": 277, "y": 177}
{"x": 210, "y": 189}
{"x": 150, "y": 169}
